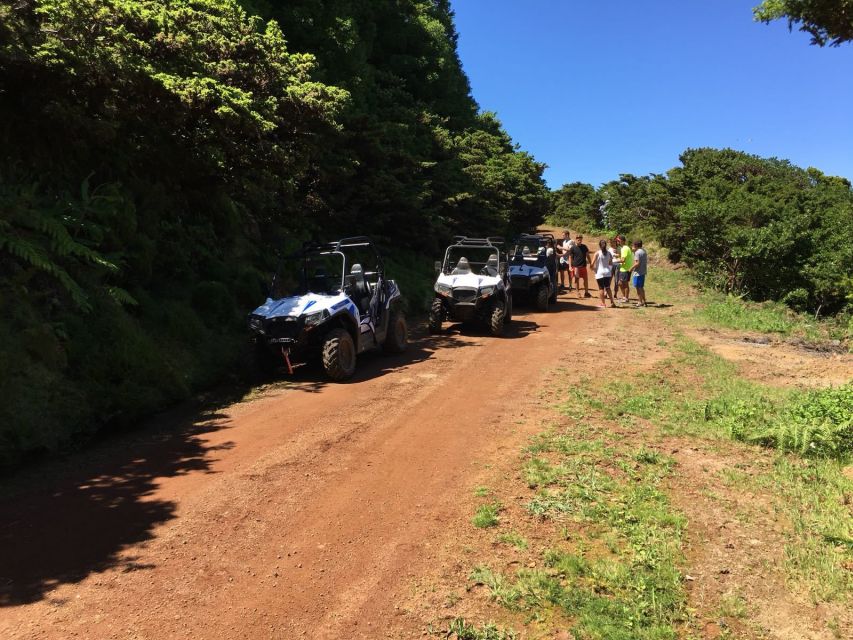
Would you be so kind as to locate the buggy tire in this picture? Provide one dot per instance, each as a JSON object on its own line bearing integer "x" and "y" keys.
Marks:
{"x": 396, "y": 339}
{"x": 497, "y": 318}
{"x": 338, "y": 355}
{"x": 553, "y": 298}
{"x": 542, "y": 294}
{"x": 436, "y": 316}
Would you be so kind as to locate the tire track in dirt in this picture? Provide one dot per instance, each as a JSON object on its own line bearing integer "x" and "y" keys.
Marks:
{"x": 306, "y": 512}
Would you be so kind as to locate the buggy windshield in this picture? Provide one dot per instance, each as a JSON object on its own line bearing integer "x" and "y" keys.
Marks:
{"x": 321, "y": 273}
{"x": 482, "y": 260}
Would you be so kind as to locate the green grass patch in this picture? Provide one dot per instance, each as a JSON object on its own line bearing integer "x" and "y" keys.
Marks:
{"x": 814, "y": 496}
{"x": 487, "y": 515}
{"x": 734, "y": 313}
{"x": 620, "y": 579}
{"x": 676, "y": 286}
{"x": 460, "y": 629}
{"x": 698, "y": 394}
{"x": 512, "y": 538}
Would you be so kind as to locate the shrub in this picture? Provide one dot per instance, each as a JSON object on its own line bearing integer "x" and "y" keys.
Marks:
{"x": 818, "y": 424}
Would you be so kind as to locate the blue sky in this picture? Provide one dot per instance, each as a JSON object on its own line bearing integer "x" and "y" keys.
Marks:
{"x": 599, "y": 88}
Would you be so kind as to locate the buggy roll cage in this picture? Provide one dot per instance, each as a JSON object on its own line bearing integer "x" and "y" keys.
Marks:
{"x": 466, "y": 241}
{"x": 329, "y": 248}
{"x": 495, "y": 243}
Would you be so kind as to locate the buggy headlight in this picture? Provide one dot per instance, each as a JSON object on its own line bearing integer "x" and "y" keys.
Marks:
{"x": 443, "y": 289}
{"x": 315, "y": 318}
{"x": 255, "y": 323}
{"x": 485, "y": 292}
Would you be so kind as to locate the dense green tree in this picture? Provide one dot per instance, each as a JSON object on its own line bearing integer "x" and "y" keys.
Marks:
{"x": 827, "y": 21}
{"x": 633, "y": 201}
{"x": 155, "y": 157}
{"x": 576, "y": 205}
{"x": 759, "y": 227}
{"x": 401, "y": 157}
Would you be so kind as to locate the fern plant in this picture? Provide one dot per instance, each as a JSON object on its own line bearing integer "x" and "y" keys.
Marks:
{"x": 56, "y": 237}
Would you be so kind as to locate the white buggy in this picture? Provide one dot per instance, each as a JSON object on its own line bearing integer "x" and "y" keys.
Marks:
{"x": 472, "y": 285}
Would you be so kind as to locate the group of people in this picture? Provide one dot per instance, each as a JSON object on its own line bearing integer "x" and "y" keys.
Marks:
{"x": 617, "y": 267}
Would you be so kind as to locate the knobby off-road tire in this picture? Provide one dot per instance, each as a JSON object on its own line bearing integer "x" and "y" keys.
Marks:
{"x": 339, "y": 355}
{"x": 497, "y": 318}
{"x": 397, "y": 337}
{"x": 542, "y": 298}
{"x": 436, "y": 316}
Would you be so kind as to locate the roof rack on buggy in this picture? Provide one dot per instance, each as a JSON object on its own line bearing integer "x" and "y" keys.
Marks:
{"x": 494, "y": 241}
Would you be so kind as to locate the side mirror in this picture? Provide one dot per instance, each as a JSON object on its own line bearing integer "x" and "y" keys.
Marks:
{"x": 437, "y": 267}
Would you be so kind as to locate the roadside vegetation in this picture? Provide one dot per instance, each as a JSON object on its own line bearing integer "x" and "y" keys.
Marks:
{"x": 609, "y": 534}
{"x": 155, "y": 166}
{"x": 758, "y": 228}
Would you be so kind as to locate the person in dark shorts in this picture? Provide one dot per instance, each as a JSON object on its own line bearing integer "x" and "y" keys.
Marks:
{"x": 639, "y": 268}
{"x": 626, "y": 258}
{"x": 565, "y": 267}
{"x": 602, "y": 264}
{"x": 580, "y": 259}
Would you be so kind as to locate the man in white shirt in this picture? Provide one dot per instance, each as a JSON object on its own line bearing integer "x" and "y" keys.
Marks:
{"x": 563, "y": 249}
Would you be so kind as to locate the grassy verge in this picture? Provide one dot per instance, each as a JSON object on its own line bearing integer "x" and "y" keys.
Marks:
{"x": 715, "y": 309}
{"x": 601, "y": 541}
{"x": 695, "y": 393}
{"x": 610, "y": 568}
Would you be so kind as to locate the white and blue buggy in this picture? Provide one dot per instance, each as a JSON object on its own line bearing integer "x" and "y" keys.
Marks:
{"x": 332, "y": 302}
{"x": 530, "y": 278}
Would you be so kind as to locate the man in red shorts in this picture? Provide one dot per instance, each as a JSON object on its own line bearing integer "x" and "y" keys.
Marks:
{"x": 580, "y": 259}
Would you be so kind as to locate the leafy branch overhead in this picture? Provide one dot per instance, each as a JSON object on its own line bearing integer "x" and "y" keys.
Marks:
{"x": 827, "y": 21}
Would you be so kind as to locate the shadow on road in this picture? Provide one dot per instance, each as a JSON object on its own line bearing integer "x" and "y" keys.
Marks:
{"x": 310, "y": 377}
{"x": 63, "y": 520}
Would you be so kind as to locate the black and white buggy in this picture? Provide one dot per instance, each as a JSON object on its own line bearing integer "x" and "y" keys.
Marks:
{"x": 530, "y": 279}
{"x": 472, "y": 285}
{"x": 331, "y": 302}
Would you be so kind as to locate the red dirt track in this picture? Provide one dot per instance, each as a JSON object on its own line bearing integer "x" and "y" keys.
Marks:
{"x": 306, "y": 512}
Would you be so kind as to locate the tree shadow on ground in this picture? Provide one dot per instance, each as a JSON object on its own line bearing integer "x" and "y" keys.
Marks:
{"x": 65, "y": 519}
{"x": 310, "y": 377}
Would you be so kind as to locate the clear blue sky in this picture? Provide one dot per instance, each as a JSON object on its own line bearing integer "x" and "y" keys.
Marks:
{"x": 599, "y": 88}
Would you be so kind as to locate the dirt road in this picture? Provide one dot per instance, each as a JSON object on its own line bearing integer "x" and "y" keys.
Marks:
{"x": 307, "y": 511}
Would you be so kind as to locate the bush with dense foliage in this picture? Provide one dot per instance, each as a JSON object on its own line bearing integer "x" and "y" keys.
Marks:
{"x": 156, "y": 156}
{"x": 758, "y": 227}
{"x": 816, "y": 424}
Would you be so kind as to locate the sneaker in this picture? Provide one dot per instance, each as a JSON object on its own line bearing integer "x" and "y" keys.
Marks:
{"x": 587, "y": 295}
{"x": 603, "y": 306}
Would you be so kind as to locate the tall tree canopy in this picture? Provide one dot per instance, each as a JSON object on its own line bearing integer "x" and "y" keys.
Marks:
{"x": 156, "y": 156}
{"x": 827, "y": 21}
